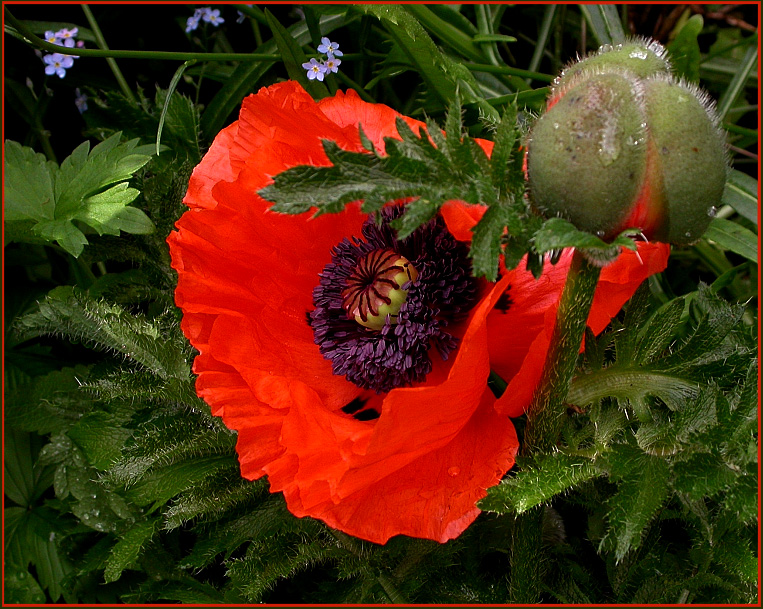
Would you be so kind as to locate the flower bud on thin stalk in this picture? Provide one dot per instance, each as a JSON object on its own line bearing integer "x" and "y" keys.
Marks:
{"x": 623, "y": 144}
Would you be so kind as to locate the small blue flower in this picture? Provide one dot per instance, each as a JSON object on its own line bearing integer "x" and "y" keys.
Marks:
{"x": 193, "y": 21}
{"x": 332, "y": 64}
{"x": 314, "y": 69}
{"x": 191, "y": 24}
{"x": 241, "y": 16}
{"x": 212, "y": 16}
{"x": 330, "y": 48}
{"x": 57, "y": 64}
{"x": 67, "y": 36}
{"x": 80, "y": 100}
{"x": 53, "y": 38}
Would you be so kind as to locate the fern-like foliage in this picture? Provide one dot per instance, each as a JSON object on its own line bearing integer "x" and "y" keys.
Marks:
{"x": 665, "y": 445}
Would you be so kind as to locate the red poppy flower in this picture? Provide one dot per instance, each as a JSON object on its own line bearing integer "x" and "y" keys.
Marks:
{"x": 378, "y": 428}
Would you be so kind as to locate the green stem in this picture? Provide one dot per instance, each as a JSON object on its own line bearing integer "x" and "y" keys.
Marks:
{"x": 101, "y": 42}
{"x": 547, "y": 409}
{"x": 483, "y": 67}
{"x": 545, "y": 418}
{"x": 485, "y": 26}
{"x": 30, "y": 38}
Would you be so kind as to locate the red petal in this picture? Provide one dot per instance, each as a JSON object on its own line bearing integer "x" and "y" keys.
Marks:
{"x": 432, "y": 497}
{"x": 519, "y": 339}
{"x": 245, "y": 280}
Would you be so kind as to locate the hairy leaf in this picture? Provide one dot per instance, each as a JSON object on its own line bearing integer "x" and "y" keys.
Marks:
{"x": 539, "y": 481}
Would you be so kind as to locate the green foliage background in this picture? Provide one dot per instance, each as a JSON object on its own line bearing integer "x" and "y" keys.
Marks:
{"x": 121, "y": 487}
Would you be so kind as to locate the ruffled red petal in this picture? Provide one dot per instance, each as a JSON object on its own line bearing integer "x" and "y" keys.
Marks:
{"x": 519, "y": 337}
{"x": 245, "y": 280}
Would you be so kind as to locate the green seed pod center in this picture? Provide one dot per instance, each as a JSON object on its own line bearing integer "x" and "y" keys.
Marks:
{"x": 375, "y": 288}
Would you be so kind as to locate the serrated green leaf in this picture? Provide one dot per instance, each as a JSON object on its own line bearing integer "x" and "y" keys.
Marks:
{"x": 632, "y": 384}
{"x": 663, "y": 438}
{"x": 641, "y": 492}
{"x": 70, "y": 311}
{"x": 414, "y": 168}
{"x": 28, "y": 187}
{"x": 486, "y": 241}
{"x": 32, "y": 538}
{"x": 702, "y": 475}
{"x": 100, "y": 437}
{"x": 68, "y": 236}
{"x": 163, "y": 483}
{"x": 50, "y": 403}
{"x": 538, "y": 482}
{"x": 88, "y": 186}
{"x": 734, "y": 237}
{"x": 659, "y": 332}
{"x": 417, "y": 213}
{"x": 557, "y": 233}
{"x": 128, "y": 549}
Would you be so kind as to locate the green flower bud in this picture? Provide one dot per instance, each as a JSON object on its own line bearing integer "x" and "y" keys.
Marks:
{"x": 625, "y": 145}
{"x": 641, "y": 57}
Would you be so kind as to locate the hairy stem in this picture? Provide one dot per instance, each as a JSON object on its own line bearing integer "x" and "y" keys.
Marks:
{"x": 547, "y": 410}
{"x": 546, "y": 417}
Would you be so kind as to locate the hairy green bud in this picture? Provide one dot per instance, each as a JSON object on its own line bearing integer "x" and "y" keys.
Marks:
{"x": 623, "y": 144}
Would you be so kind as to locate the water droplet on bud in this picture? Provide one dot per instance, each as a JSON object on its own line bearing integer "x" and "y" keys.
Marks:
{"x": 712, "y": 211}
{"x": 454, "y": 471}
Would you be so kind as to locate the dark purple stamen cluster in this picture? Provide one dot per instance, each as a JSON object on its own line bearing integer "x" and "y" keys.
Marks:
{"x": 397, "y": 355}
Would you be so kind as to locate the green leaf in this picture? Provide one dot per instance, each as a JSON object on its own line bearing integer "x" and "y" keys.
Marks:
{"x": 127, "y": 550}
{"x": 70, "y": 311}
{"x": 182, "y": 117}
{"x": 407, "y": 34}
{"x": 557, "y": 233}
{"x": 29, "y": 180}
{"x": 703, "y": 475}
{"x": 641, "y": 492}
{"x": 49, "y": 403}
{"x": 741, "y": 193}
{"x": 31, "y": 537}
{"x": 604, "y": 21}
{"x": 734, "y": 237}
{"x": 666, "y": 437}
{"x": 738, "y": 81}
{"x": 91, "y": 188}
{"x": 19, "y": 586}
{"x": 486, "y": 242}
{"x": 711, "y": 349}
{"x": 684, "y": 49}
{"x": 100, "y": 437}
{"x": 537, "y": 482}
{"x": 167, "y": 440}
{"x": 163, "y": 483}
{"x": 448, "y": 167}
